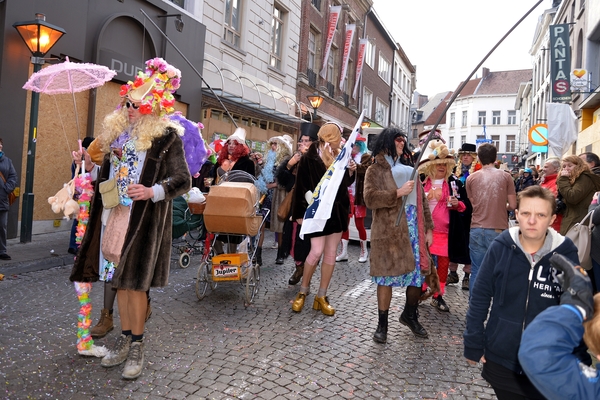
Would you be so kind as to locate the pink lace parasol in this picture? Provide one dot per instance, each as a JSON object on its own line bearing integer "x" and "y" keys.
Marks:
{"x": 69, "y": 77}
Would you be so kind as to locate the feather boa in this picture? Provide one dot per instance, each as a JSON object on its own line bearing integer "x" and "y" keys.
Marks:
{"x": 267, "y": 173}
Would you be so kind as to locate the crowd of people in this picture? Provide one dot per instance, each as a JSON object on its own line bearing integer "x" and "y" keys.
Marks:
{"x": 451, "y": 214}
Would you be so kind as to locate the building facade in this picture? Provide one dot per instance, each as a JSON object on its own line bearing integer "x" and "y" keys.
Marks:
{"x": 117, "y": 34}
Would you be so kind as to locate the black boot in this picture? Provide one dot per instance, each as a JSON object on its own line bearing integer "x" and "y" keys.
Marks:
{"x": 380, "y": 335}
{"x": 280, "y": 256}
{"x": 297, "y": 274}
{"x": 259, "y": 256}
{"x": 409, "y": 317}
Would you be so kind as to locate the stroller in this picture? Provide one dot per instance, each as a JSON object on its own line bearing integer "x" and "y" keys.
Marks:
{"x": 232, "y": 215}
{"x": 188, "y": 231}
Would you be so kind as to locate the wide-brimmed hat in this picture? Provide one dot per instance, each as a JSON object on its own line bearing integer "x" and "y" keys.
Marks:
{"x": 239, "y": 136}
{"x": 154, "y": 87}
{"x": 285, "y": 140}
{"x": 436, "y": 152}
{"x": 468, "y": 148}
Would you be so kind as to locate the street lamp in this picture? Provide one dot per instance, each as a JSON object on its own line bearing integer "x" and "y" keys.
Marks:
{"x": 315, "y": 101}
{"x": 39, "y": 36}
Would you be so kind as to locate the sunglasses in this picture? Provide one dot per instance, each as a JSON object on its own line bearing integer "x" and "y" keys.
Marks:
{"x": 399, "y": 139}
{"x": 129, "y": 104}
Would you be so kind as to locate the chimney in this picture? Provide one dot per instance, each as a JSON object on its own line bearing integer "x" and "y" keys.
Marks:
{"x": 484, "y": 72}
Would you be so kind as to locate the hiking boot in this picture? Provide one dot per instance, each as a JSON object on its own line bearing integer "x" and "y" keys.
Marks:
{"x": 465, "y": 282}
{"x": 440, "y": 304}
{"x": 103, "y": 326}
{"x": 135, "y": 361}
{"x": 118, "y": 354}
{"x": 452, "y": 278}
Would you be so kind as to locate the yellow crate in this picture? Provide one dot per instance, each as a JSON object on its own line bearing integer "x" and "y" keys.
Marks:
{"x": 228, "y": 267}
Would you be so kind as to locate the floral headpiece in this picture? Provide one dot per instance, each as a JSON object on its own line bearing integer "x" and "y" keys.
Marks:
{"x": 154, "y": 87}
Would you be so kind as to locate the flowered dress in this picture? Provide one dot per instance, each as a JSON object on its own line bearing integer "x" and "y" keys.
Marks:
{"x": 125, "y": 168}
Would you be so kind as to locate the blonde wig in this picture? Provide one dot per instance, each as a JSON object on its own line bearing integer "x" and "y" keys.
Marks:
{"x": 430, "y": 168}
{"x": 580, "y": 166}
{"x": 329, "y": 133}
{"x": 145, "y": 129}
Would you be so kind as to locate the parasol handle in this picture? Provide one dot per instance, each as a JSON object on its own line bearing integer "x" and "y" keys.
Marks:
{"x": 82, "y": 157}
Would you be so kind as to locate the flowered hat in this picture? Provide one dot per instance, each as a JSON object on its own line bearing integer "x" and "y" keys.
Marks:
{"x": 154, "y": 87}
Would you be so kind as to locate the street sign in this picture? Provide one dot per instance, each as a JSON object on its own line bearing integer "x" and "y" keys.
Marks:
{"x": 539, "y": 149}
{"x": 538, "y": 135}
{"x": 482, "y": 141}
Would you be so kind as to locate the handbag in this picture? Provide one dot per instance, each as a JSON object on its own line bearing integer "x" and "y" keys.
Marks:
{"x": 11, "y": 196}
{"x": 283, "y": 212}
{"x": 581, "y": 235}
{"x": 432, "y": 280}
{"x": 114, "y": 233}
{"x": 110, "y": 194}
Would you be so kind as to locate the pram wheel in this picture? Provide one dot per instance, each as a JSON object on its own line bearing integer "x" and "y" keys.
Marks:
{"x": 251, "y": 285}
{"x": 184, "y": 260}
{"x": 204, "y": 278}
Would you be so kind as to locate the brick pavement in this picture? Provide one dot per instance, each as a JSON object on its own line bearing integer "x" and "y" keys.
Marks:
{"x": 217, "y": 349}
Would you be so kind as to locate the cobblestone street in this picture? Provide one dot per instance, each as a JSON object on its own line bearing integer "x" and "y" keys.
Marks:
{"x": 217, "y": 349}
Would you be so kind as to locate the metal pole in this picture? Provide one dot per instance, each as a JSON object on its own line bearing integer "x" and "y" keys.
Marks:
{"x": 27, "y": 211}
{"x": 454, "y": 96}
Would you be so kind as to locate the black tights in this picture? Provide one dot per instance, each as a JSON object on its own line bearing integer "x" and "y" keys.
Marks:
{"x": 413, "y": 294}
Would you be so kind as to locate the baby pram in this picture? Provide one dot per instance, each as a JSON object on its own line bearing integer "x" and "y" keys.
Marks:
{"x": 187, "y": 230}
{"x": 232, "y": 215}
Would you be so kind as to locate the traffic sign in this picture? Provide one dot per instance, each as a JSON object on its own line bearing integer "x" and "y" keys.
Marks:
{"x": 538, "y": 135}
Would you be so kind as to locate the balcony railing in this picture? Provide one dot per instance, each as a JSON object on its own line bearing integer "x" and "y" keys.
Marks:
{"x": 330, "y": 89}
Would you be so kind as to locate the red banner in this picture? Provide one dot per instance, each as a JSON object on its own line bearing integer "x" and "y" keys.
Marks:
{"x": 334, "y": 15}
{"x": 360, "y": 60}
{"x": 350, "y": 28}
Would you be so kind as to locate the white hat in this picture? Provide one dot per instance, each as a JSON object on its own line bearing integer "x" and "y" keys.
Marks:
{"x": 239, "y": 136}
{"x": 284, "y": 140}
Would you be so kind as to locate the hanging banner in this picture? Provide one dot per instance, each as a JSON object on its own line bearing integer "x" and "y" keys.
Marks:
{"x": 360, "y": 60}
{"x": 334, "y": 15}
{"x": 580, "y": 80}
{"x": 350, "y": 29}
{"x": 560, "y": 63}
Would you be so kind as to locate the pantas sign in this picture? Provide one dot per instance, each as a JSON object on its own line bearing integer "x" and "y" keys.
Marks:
{"x": 560, "y": 63}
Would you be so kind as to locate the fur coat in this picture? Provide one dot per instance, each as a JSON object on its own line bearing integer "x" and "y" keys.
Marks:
{"x": 311, "y": 169}
{"x": 391, "y": 253}
{"x": 145, "y": 257}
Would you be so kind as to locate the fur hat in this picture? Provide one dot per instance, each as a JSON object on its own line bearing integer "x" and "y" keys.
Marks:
{"x": 468, "y": 148}
{"x": 239, "y": 136}
{"x": 154, "y": 87}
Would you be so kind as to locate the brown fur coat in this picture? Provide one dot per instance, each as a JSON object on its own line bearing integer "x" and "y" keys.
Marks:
{"x": 145, "y": 257}
{"x": 391, "y": 253}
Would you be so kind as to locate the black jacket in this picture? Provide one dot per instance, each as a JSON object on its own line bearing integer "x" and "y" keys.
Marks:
{"x": 310, "y": 171}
